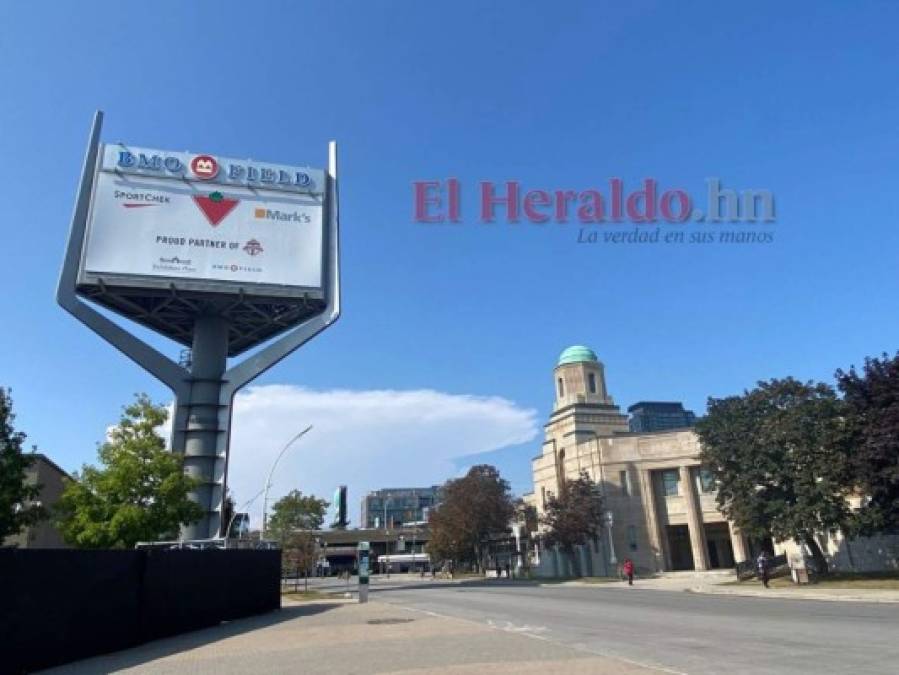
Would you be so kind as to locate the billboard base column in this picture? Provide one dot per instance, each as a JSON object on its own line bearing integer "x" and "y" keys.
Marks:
{"x": 206, "y": 432}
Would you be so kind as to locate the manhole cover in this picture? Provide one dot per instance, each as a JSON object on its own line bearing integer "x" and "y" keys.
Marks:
{"x": 388, "y": 621}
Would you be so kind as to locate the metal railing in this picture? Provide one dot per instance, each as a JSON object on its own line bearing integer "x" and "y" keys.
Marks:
{"x": 208, "y": 544}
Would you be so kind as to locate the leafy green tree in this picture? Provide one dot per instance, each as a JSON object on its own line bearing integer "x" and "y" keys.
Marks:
{"x": 872, "y": 403}
{"x": 296, "y": 511}
{"x": 573, "y": 517}
{"x": 780, "y": 455}
{"x": 299, "y": 553}
{"x": 139, "y": 493}
{"x": 16, "y": 493}
{"x": 472, "y": 508}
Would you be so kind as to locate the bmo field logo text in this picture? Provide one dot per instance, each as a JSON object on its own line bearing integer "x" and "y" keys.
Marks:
{"x": 204, "y": 167}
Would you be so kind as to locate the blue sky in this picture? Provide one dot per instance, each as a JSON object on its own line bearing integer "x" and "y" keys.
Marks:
{"x": 796, "y": 99}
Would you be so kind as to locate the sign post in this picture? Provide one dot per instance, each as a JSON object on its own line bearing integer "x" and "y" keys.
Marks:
{"x": 363, "y": 559}
{"x": 219, "y": 255}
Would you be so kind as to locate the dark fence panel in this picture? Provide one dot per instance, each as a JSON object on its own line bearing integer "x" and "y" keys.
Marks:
{"x": 58, "y": 606}
{"x": 62, "y": 605}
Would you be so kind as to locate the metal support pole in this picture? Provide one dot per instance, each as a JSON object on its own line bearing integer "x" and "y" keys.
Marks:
{"x": 206, "y": 432}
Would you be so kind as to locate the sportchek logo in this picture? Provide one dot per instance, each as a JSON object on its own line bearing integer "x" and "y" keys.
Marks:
{"x": 134, "y": 200}
{"x": 285, "y": 216}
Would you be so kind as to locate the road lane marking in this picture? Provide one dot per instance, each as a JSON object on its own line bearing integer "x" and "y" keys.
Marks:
{"x": 536, "y": 636}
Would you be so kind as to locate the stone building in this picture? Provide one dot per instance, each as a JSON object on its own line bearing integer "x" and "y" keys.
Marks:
{"x": 661, "y": 505}
{"x": 46, "y": 473}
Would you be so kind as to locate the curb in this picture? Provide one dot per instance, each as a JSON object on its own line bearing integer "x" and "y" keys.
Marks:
{"x": 821, "y": 598}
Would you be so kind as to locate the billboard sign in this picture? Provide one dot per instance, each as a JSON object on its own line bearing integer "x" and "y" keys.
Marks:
{"x": 340, "y": 506}
{"x": 203, "y": 222}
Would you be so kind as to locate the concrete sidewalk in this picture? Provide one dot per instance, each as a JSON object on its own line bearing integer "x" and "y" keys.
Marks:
{"x": 801, "y": 593}
{"x": 345, "y": 637}
{"x": 720, "y": 583}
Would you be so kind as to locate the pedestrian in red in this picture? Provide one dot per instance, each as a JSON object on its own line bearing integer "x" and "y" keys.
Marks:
{"x": 628, "y": 569}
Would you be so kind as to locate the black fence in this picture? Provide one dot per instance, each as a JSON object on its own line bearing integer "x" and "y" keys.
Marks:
{"x": 58, "y": 605}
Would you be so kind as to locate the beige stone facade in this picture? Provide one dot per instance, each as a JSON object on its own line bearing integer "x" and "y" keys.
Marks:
{"x": 663, "y": 513}
{"x": 46, "y": 473}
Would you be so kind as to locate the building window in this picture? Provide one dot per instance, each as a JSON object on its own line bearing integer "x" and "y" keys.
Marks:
{"x": 632, "y": 537}
{"x": 706, "y": 481}
{"x": 561, "y": 388}
{"x": 561, "y": 468}
{"x": 543, "y": 497}
{"x": 591, "y": 382}
{"x": 670, "y": 480}
{"x": 625, "y": 483}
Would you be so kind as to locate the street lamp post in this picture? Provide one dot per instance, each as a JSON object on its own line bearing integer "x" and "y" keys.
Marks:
{"x": 612, "y": 559}
{"x": 386, "y": 537}
{"x": 236, "y": 512}
{"x": 268, "y": 481}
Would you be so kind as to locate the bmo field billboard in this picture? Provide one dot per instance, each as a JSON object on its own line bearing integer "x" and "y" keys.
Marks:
{"x": 200, "y": 222}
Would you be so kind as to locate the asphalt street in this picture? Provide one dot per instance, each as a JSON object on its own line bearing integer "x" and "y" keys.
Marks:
{"x": 680, "y": 631}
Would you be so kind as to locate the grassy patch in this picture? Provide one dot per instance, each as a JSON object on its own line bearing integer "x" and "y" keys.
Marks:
{"x": 586, "y": 580}
{"x": 302, "y": 596}
{"x": 847, "y": 580}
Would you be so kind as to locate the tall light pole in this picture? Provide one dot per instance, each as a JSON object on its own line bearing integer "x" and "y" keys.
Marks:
{"x": 613, "y": 560}
{"x": 386, "y": 533}
{"x": 386, "y": 500}
{"x": 268, "y": 481}
{"x": 609, "y": 521}
{"x": 236, "y": 513}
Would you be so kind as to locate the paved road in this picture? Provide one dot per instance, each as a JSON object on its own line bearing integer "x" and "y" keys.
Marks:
{"x": 680, "y": 631}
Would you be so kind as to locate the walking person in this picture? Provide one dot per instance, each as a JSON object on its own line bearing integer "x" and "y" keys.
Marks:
{"x": 762, "y": 564}
{"x": 628, "y": 569}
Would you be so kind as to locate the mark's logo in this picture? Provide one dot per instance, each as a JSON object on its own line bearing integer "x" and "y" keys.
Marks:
{"x": 287, "y": 216}
{"x": 204, "y": 167}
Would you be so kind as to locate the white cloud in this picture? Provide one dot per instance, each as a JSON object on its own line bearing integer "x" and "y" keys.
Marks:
{"x": 364, "y": 439}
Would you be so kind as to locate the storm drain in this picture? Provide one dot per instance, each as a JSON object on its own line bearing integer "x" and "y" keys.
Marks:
{"x": 388, "y": 621}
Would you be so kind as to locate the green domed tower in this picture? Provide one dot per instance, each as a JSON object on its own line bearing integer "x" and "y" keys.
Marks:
{"x": 580, "y": 378}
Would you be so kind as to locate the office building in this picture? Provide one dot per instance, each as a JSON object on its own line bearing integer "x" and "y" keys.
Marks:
{"x": 649, "y": 416}
{"x": 393, "y": 507}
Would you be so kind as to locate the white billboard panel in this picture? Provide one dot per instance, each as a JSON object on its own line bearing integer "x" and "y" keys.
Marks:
{"x": 201, "y": 218}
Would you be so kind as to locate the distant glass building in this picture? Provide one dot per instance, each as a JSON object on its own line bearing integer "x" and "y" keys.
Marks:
{"x": 648, "y": 416}
{"x": 398, "y": 506}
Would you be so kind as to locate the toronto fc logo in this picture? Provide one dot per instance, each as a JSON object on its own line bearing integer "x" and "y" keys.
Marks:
{"x": 253, "y": 247}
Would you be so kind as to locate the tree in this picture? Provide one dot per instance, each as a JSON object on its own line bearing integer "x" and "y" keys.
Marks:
{"x": 780, "y": 456}
{"x": 139, "y": 493}
{"x": 299, "y": 552}
{"x": 872, "y": 405}
{"x": 16, "y": 493}
{"x": 296, "y": 511}
{"x": 574, "y": 517}
{"x": 472, "y": 507}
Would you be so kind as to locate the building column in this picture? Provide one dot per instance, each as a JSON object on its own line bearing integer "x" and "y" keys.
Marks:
{"x": 694, "y": 520}
{"x": 737, "y": 543}
{"x": 652, "y": 518}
